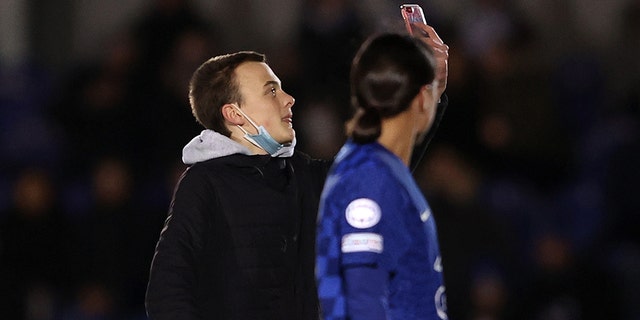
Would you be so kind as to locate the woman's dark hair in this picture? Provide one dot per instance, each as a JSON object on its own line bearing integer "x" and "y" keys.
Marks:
{"x": 387, "y": 73}
{"x": 213, "y": 85}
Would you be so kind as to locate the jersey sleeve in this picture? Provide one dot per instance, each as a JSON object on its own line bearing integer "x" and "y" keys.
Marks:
{"x": 370, "y": 225}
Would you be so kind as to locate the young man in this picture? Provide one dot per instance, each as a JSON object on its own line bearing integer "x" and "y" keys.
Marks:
{"x": 378, "y": 253}
{"x": 239, "y": 239}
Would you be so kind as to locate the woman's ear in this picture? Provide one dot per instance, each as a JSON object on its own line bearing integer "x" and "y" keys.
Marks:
{"x": 428, "y": 94}
{"x": 421, "y": 99}
{"x": 231, "y": 114}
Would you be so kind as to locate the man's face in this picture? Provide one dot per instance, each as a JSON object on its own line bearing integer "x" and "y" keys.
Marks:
{"x": 264, "y": 101}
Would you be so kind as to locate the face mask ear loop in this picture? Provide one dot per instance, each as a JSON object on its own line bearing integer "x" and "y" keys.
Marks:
{"x": 243, "y": 130}
{"x": 247, "y": 135}
{"x": 246, "y": 117}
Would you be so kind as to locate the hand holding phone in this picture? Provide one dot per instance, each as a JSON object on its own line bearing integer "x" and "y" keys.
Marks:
{"x": 412, "y": 13}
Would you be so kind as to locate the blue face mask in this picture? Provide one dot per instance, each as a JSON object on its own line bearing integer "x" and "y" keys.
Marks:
{"x": 261, "y": 140}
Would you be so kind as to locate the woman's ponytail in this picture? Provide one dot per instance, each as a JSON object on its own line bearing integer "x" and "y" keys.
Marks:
{"x": 365, "y": 126}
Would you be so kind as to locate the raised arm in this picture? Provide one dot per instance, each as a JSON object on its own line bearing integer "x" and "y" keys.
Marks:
{"x": 441, "y": 53}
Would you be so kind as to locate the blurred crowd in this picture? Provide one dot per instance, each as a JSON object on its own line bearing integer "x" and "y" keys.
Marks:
{"x": 532, "y": 177}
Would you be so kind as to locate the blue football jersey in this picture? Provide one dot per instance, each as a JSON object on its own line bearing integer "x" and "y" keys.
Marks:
{"x": 374, "y": 217}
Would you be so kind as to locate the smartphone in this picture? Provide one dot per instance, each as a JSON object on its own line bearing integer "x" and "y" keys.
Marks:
{"x": 412, "y": 13}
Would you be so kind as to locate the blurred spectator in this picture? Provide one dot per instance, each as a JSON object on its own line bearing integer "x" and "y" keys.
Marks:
{"x": 158, "y": 29}
{"x": 172, "y": 125}
{"x": 470, "y": 235}
{"x": 174, "y": 39}
{"x": 94, "y": 107}
{"x": 93, "y": 301}
{"x": 489, "y": 295}
{"x": 35, "y": 248}
{"x": 330, "y": 33}
{"x": 110, "y": 239}
{"x": 485, "y": 26}
{"x": 566, "y": 287}
{"x": 27, "y": 135}
{"x": 519, "y": 129}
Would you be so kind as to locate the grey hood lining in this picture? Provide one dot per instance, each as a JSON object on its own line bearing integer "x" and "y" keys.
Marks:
{"x": 210, "y": 144}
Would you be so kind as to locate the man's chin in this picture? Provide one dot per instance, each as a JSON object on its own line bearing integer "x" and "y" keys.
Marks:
{"x": 291, "y": 140}
{"x": 291, "y": 137}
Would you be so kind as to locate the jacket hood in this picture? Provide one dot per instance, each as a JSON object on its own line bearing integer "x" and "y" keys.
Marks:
{"x": 210, "y": 144}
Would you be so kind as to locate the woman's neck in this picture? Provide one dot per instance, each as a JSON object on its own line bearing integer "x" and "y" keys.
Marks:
{"x": 398, "y": 136}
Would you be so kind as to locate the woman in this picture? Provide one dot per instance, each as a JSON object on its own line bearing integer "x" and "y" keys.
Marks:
{"x": 378, "y": 255}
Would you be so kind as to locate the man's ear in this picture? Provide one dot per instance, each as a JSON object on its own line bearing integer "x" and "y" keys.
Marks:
{"x": 231, "y": 114}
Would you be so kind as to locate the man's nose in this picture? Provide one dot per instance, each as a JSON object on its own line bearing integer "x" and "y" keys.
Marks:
{"x": 290, "y": 100}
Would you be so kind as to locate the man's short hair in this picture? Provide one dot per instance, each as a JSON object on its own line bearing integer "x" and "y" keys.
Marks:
{"x": 214, "y": 84}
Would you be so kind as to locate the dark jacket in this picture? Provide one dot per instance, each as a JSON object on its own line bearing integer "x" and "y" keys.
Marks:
{"x": 239, "y": 241}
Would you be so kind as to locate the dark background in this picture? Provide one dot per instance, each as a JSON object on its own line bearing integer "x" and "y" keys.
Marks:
{"x": 533, "y": 176}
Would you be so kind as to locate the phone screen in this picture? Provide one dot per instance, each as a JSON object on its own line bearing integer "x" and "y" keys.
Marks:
{"x": 412, "y": 13}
